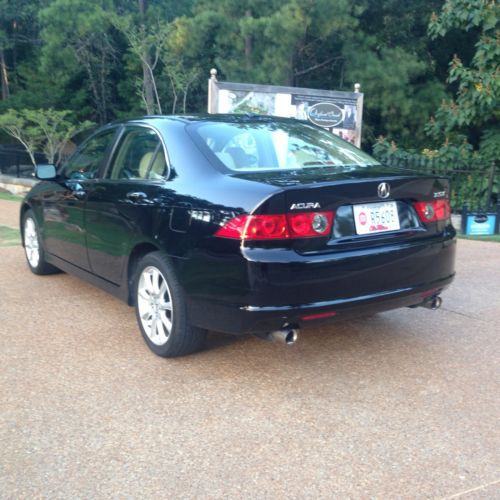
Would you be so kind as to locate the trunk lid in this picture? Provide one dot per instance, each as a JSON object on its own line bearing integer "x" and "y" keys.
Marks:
{"x": 353, "y": 193}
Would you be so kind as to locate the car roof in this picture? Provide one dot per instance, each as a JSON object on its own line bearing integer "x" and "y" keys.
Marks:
{"x": 206, "y": 117}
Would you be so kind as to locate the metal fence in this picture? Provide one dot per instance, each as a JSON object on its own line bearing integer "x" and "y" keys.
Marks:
{"x": 15, "y": 162}
{"x": 475, "y": 185}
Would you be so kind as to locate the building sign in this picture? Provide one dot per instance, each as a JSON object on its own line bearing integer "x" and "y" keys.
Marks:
{"x": 480, "y": 224}
{"x": 339, "y": 112}
{"x": 325, "y": 114}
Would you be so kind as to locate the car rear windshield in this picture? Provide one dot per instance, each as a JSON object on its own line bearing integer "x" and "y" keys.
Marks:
{"x": 273, "y": 145}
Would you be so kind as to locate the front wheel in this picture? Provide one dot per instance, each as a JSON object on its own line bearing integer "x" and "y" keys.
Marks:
{"x": 161, "y": 309}
{"x": 33, "y": 249}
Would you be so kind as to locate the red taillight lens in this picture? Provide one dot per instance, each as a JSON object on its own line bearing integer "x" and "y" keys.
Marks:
{"x": 305, "y": 225}
{"x": 268, "y": 227}
{"x": 234, "y": 228}
{"x": 432, "y": 211}
{"x": 442, "y": 209}
{"x": 265, "y": 227}
{"x": 255, "y": 227}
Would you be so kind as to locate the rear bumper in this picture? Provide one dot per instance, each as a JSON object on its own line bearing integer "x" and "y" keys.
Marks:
{"x": 254, "y": 320}
{"x": 273, "y": 287}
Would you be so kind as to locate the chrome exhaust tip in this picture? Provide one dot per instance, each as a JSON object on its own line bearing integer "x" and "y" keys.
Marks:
{"x": 433, "y": 303}
{"x": 287, "y": 336}
{"x": 436, "y": 303}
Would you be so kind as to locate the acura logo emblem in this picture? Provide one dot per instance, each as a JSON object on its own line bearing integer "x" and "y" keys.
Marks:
{"x": 384, "y": 190}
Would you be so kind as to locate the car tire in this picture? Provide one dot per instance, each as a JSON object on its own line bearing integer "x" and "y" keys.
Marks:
{"x": 161, "y": 309}
{"x": 33, "y": 248}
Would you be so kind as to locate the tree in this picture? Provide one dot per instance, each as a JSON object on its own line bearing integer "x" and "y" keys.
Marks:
{"x": 380, "y": 43}
{"x": 18, "y": 30}
{"x": 76, "y": 35}
{"x": 147, "y": 26}
{"x": 181, "y": 79}
{"x": 270, "y": 41}
{"x": 146, "y": 42}
{"x": 18, "y": 126}
{"x": 45, "y": 130}
{"x": 474, "y": 109}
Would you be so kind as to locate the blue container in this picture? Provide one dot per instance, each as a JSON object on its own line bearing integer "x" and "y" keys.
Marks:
{"x": 480, "y": 224}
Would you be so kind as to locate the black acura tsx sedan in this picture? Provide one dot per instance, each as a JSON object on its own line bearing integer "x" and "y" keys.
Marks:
{"x": 241, "y": 224}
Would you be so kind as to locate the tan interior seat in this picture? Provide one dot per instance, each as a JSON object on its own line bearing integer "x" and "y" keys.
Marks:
{"x": 157, "y": 169}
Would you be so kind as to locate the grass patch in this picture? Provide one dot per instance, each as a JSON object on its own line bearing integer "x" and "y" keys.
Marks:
{"x": 10, "y": 197}
{"x": 9, "y": 237}
{"x": 490, "y": 237}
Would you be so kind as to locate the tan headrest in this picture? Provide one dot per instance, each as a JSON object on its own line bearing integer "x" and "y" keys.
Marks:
{"x": 144, "y": 165}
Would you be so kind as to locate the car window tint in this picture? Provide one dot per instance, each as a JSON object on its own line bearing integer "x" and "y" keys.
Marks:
{"x": 240, "y": 151}
{"x": 139, "y": 156}
{"x": 85, "y": 163}
{"x": 281, "y": 145}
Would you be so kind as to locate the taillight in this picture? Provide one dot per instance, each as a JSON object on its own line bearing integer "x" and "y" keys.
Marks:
{"x": 255, "y": 227}
{"x": 277, "y": 226}
{"x": 305, "y": 225}
{"x": 265, "y": 227}
{"x": 432, "y": 211}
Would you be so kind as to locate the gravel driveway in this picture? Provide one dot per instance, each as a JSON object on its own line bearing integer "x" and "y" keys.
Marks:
{"x": 403, "y": 404}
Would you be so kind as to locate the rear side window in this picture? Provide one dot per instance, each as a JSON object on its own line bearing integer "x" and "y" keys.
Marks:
{"x": 252, "y": 145}
{"x": 86, "y": 162}
{"x": 139, "y": 155}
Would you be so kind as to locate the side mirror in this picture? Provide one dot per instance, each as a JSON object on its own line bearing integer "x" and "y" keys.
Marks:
{"x": 45, "y": 172}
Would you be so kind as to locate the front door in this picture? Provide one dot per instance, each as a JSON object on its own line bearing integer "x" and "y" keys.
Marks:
{"x": 64, "y": 210}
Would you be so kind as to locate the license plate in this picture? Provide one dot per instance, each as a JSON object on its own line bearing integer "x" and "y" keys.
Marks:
{"x": 376, "y": 217}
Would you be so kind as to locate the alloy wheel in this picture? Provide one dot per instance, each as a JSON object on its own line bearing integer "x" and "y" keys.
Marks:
{"x": 154, "y": 302}
{"x": 31, "y": 245}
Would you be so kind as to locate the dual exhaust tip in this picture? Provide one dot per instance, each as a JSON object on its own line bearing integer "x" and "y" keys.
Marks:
{"x": 289, "y": 335}
{"x": 286, "y": 335}
{"x": 433, "y": 303}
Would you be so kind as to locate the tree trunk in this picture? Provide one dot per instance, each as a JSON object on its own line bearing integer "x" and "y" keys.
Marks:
{"x": 291, "y": 70}
{"x": 148, "y": 85}
{"x": 146, "y": 66}
{"x": 174, "y": 92}
{"x": 103, "y": 74}
{"x": 248, "y": 44}
{"x": 4, "y": 76}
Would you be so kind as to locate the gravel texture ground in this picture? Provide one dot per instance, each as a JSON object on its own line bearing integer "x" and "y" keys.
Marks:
{"x": 9, "y": 213}
{"x": 404, "y": 404}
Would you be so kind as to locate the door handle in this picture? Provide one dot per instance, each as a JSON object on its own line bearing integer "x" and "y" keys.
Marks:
{"x": 80, "y": 194}
{"x": 136, "y": 196}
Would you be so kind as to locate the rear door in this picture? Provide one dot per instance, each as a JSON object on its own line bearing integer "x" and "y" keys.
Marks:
{"x": 121, "y": 207}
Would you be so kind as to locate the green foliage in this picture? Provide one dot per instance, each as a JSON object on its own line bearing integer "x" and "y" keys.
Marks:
{"x": 78, "y": 42}
{"x": 45, "y": 130}
{"x": 466, "y": 125}
{"x": 10, "y": 197}
{"x": 9, "y": 236}
{"x": 147, "y": 42}
{"x": 107, "y": 59}
{"x": 469, "y": 172}
{"x": 56, "y": 130}
{"x": 459, "y": 156}
{"x": 492, "y": 237}
{"x": 490, "y": 143}
{"x": 17, "y": 125}
{"x": 478, "y": 84}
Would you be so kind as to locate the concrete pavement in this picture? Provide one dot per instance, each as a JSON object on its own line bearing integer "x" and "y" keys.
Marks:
{"x": 403, "y": 404}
